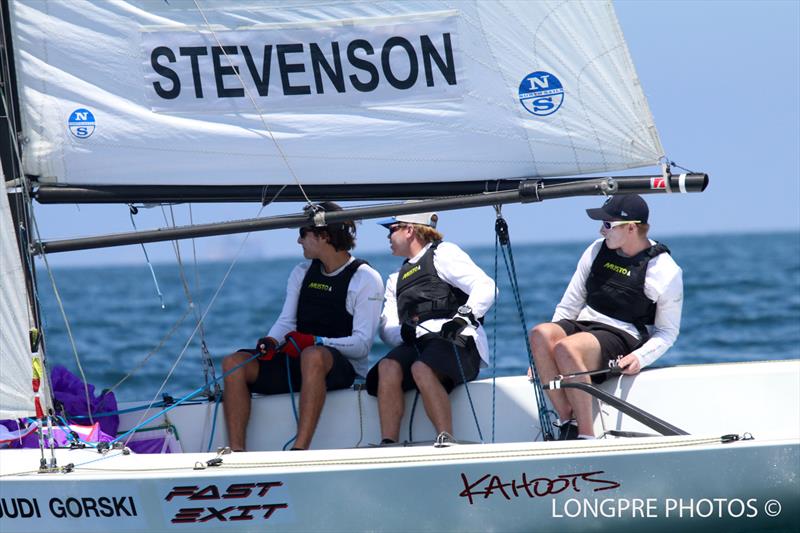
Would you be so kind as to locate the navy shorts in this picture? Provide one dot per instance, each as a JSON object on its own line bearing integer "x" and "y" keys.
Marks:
{"x": 613, "y": 341}
{"x": 437, "y": 354}
{"x": 274, "y": 377}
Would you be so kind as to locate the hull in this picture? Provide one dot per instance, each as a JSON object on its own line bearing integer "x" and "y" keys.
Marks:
{"x": 663, "y": 482}
{"x": 696, "y": 481}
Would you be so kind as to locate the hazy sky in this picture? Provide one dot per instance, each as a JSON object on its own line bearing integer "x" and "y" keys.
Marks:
{"x": 723, "y": 82}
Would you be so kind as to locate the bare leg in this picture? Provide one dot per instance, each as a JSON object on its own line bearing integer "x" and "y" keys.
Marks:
{"x": 543, "y": 341}
{"x": 390, "y": 398}
{"x": 579, "y": 353}
{"x": 236, "y": 397}
{"x": 315, "y": 363}
{"x": 434, "y": 397}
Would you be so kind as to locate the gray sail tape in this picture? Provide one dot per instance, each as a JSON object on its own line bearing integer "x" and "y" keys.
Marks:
{"x": 682, "y": 183}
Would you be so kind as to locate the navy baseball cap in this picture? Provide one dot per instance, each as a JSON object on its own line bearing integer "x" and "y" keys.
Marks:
{"x": 622, "y": 207}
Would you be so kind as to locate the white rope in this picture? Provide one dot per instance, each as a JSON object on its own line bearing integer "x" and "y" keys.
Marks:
{"x": 154, "y": 350}
{"x": 255, "y": 104}
{"x": 194, "y": 332}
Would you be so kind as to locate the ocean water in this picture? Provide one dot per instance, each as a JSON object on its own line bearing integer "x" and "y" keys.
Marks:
{"x": 741, "y": 302}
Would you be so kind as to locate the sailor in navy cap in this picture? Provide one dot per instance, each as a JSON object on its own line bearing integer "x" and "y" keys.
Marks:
{"x": 432, "y": 315}
{"x": 623, "y": 304}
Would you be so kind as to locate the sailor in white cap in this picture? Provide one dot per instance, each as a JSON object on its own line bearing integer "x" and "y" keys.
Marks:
{"x": 432, "y": 315}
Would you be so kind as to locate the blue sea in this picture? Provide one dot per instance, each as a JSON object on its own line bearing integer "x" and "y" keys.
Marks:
{"x": 741, "y": 293}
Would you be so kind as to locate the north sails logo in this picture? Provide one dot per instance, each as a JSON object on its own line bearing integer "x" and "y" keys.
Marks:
{"x": 618, "y": 269}
{"x": 81, "y": 123}
{"x": 541, "y": 93}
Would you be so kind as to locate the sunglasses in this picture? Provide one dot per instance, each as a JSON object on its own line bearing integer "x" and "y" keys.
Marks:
{"x": 396, "y": 227}
{"x": 609, "y": 225}
{"x": 308, "y": 229}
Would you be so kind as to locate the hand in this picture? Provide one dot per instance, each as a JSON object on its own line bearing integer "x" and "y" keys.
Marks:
{"x": 266, "y": 346}
{"x": 450, "y": 330}
{"x": 296, "y": 342}
{"x": 630, "y": 364}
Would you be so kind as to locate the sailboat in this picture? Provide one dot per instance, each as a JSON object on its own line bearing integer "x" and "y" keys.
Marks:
{"x": 455, "y": 104}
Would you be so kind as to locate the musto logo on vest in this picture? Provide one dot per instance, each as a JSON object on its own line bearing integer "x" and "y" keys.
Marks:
{"x": 320, "y": 286}
{"x": 618, "y": 269}
{"x": 411, "y": 272}
{"x": 541, "y": 93}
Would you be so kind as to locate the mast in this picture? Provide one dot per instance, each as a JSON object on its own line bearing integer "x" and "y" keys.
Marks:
{"x": 9, "y": 147}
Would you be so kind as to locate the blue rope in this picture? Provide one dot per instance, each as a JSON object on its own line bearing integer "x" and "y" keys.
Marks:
{"x": 213, "y": 425}
{"x": 544, "y": 413}
{"x": 463, "y": 378}
{"x": 184, "y": 399}
{"x": 466, "y": 388}
{"x": 291, "y": 392}
{"x": 72, "y": 435}
{"x": 123, "y": 411}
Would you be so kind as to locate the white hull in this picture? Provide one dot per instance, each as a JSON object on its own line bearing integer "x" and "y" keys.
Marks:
{"x": 514, "y": 485}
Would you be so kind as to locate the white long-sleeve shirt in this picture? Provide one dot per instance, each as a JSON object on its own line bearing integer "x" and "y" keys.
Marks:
{"x": 455, "y": 267}
{"x": 663, "y": 285}
{"x": 363, "y": 301}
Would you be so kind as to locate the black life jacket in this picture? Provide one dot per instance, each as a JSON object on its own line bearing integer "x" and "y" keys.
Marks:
{"x": 423, "y": 294}
{"x": 321, "y": 305}
{"x": 615, "y": 287}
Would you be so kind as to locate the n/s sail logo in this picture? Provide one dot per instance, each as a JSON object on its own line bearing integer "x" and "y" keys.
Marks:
{"x": 81, "y": 123}
{"x": 541, "y": 93}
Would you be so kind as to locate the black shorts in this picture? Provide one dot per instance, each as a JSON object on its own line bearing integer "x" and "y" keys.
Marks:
{"x": 614, "y": 342}
{"x": 438, "y": 354}
{"x": 273, "y": 376}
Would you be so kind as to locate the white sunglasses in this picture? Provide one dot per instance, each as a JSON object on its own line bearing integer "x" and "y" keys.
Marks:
{"x": 609, "y": 225}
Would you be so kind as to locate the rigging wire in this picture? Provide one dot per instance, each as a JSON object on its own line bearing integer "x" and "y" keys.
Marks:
{"x": 142, "y": 422}
{"x": 208, "y": 363}
{"x": 153, "y": 351}
{"x": 133, "y": 211}
{"x": 255, "y": 104}
{"x": 205, "y": 355}
{"x": 674, "y": 164}
{"x": 207, "y": 310}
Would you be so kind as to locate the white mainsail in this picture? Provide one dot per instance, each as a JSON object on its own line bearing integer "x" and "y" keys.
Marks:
{"x": 16, "y": 361}
{"x": 153, "y": 92}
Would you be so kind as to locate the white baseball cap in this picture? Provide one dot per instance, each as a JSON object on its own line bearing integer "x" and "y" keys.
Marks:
{"x": 423, "y": 219}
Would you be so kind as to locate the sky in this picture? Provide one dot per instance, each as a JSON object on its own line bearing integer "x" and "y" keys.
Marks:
{"x": 723, "y": 82}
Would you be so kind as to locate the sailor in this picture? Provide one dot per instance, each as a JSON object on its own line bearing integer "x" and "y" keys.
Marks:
{"x": 432, "y": 315}
{"x": 623, "y": 304}
{"x": 324, "y": 332}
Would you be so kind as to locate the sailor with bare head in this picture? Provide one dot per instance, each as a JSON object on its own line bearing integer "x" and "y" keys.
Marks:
{"x": 326, "y": 327}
